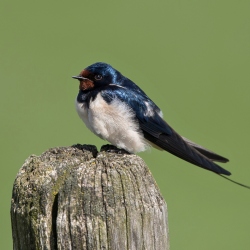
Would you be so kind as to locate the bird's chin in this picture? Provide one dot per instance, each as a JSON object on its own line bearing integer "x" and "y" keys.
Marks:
{"x": 86, "y": 84}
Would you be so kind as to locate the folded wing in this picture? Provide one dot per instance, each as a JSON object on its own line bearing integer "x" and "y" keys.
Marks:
{"x": 158, "y": 132}
{"x": 175, "y": 145}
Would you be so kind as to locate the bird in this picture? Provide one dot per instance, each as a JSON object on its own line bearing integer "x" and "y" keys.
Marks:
{"x": 117, "y": 110}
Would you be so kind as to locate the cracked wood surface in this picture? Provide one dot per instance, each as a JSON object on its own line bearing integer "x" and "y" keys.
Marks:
{"x": 77, "y": 198}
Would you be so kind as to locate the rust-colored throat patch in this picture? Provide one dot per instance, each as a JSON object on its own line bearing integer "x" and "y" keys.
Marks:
{"x": 86, "y": 84}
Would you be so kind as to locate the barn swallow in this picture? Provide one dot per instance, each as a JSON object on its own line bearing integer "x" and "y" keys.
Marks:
{"x": 114, "y": 108}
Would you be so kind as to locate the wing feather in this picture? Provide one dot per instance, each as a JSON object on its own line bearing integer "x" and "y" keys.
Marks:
{"x": 175, "y": 145}
{"x": 158, "y": 132}
{"x": 208, "y": 153}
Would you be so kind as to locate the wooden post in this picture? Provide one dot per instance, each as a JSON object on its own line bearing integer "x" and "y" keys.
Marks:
{"x": 77, "y": 198}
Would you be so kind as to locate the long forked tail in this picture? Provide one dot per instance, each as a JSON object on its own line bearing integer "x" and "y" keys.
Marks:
{"x": 235, "y": 182}
{"x": 213, "y": 157}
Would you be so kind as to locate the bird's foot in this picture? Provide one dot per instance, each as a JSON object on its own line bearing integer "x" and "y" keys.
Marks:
{"x": 113, "y": 149}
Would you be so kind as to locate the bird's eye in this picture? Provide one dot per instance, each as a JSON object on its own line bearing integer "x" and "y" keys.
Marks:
{"x": 98, "y": 77}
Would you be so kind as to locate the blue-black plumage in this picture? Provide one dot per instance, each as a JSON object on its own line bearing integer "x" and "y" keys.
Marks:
{"x": 117, "y": 110}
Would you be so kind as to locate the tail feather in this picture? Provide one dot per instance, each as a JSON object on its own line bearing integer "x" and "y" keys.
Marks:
{"x": 175, "y": 145}
{"x": 208, "y": 153}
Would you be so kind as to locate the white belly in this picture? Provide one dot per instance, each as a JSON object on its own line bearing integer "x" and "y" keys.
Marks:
{"x": 113, "y": 122}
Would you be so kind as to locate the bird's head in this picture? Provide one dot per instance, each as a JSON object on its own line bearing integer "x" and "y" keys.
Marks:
{"x": 98, "y": 75}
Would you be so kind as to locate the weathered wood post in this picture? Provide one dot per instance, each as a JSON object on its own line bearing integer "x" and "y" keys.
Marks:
{"x": 77, "y": 198}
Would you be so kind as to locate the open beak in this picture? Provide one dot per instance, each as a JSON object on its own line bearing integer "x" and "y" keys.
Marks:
{"x": 80, "y": 78}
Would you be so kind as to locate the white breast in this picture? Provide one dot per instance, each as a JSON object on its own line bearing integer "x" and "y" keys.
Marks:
{"x": 113, "y": 122}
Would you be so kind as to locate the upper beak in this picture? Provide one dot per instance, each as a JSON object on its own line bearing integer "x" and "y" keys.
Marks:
{"x": 80, "y": 78}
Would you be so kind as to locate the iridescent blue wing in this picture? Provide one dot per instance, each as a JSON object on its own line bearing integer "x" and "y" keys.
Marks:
{"x": 158, "y": 132}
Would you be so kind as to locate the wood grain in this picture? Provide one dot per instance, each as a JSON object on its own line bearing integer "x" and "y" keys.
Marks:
{"x": 77, "y": 198}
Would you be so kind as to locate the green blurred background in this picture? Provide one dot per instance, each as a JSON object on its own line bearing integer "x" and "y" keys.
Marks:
{"x": 191, "y": 57}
